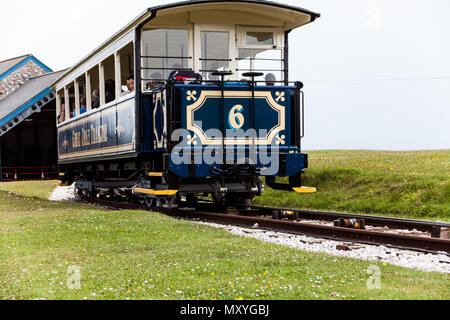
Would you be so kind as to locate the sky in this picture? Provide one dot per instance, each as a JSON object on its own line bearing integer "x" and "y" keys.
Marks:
{"x": 376, "y": 72}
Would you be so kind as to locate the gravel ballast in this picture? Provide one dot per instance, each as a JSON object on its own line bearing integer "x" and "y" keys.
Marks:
{"x": 402, "y": 258}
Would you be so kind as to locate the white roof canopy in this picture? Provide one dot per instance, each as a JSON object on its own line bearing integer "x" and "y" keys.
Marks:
{"x": 258, "y": 13}
{"x": 238, "y": 12}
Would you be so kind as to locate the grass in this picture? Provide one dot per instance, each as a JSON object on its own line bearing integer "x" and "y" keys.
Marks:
{"x": 142, "y": 255}
{"x": 402, "y": 184}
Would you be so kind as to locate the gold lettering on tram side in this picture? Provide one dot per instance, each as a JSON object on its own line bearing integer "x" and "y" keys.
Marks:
{"x": 90, "y": 136}
{"x": 99, "y": 134}
{"x": 76, "y": 139}
{"x": 85, "y": 137}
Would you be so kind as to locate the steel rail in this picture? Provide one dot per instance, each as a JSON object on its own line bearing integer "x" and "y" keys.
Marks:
{"x": 376, "y": 221}
{"x": 336, "y": 233}
{"x": 406, "y": 242}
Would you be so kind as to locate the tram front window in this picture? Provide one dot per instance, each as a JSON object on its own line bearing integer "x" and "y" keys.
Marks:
{"x": 259, "y": 38}
{"x": 215, "y": 53}
{"x": 164, "y": 51}
{"x": 269, "y": 62}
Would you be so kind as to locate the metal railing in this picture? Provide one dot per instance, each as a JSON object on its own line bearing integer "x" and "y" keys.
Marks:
{"x": 28, "y": 173}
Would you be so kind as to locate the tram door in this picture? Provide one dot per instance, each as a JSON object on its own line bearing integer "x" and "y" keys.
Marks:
{"x": 215, "y": 50}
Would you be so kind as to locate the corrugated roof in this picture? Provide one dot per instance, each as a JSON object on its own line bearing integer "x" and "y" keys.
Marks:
{"x": 8, "y": 64}
{"x": 26, "y": 93}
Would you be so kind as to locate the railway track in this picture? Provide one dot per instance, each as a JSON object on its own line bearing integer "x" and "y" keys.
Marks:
{"x": 292, "y": 221}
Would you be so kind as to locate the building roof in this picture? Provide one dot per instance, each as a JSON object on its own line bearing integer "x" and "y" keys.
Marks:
{"x": 25, "y": 97}
{"x": 9, "y": 66}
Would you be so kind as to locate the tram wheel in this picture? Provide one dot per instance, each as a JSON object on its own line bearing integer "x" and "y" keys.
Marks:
{"x": 149, "y": 202}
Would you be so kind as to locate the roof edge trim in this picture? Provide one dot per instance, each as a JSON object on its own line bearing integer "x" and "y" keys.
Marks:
{"x": 25, "y": 106}
{"x": 22, "y": 63}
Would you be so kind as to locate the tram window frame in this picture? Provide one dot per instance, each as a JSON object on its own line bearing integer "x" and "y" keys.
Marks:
{"x": 125, "y": 68}
{"x": 147, "y": 80}
{"x": 199, "y": 28}
{"x": 242, "y": 31}
{"x": 278, "y": 45}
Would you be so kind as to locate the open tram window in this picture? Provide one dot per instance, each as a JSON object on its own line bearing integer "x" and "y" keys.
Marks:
{"x": 69, "y": 101}
{"x": 268, "y": 62}
{"x": 125, "y": 65}
{"x": 261, "y": 50}
{"x": 60, "y": 107}
{"x": 259, "y": 38}
{"x": 109, "y": 77}
{"x": 164, "y": 51}
{"x": 94, "y": 85}
{"x": 80, "y": 96}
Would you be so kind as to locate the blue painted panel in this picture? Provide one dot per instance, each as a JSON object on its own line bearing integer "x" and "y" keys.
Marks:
{"x": 295, "y": 163}
{"x": 147, "y": 123}
{"x": 201, "y": 104}
{"x": 159, "y": 121}
{"x": 109, "y": 123}
{"x": 126, "y": 119}
{"x": 83, "y": 128}
{"x": 200, "y": 109}
{"x": 181, "y": 170}
{"x": 62, "y": 143}
{"x": 101, "y": 132}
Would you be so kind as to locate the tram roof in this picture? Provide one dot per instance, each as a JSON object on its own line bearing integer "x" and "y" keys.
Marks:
{"x": 280, "y": 15}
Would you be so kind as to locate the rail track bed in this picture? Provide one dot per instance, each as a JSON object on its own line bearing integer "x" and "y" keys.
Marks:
{"x": 391, "y": 232}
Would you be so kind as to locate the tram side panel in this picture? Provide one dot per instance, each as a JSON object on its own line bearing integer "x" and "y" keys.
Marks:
{"x": 105, "y": 133}
{"x": 154, "y": 122}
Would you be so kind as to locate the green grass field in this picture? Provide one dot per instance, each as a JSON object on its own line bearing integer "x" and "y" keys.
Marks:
{"x": 142, "y": 255}
{"x": 402, "y": 184}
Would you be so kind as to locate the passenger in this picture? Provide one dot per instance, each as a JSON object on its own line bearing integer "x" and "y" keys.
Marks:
{"x": 110, "y": 89}
{"x": 83, "y": 104}
{"x": 214, "y": 66}
{"x": 72, "y": 112}
{"x": 96, "y": 99}
{"x": 270, "y": 79}
{"x": 62, "y": 116}
{"x": 156, "y": 82}
{"x": 177, "y": 67}
{"x": 130, "y": 84}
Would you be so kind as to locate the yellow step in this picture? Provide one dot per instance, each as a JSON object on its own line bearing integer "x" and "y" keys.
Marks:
{"x": 305, "y": 190}
{"x": 156, "y": 192}
{"x": 155, "y": 174}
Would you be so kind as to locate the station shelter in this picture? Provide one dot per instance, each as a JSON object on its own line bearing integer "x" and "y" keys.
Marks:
{"x": 27, "y": 120}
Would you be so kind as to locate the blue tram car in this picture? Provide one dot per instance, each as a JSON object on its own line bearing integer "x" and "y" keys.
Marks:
{"x": 190, "y": 99}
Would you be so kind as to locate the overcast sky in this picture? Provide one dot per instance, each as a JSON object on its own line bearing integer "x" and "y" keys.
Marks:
{"x": 376, "y": 72}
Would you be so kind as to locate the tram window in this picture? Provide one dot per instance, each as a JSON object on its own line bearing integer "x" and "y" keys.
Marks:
{"x": 62, "y": 108}
{"x": 109, "y": 76}
{"x": 215, "y": 53}
{"x": 126, "y": 57}
{"x": 95, "y": 92}
{"x": 260, "y": 38}
{"x": 164, "y": 51}
{"x": 269, "y": 62}
{"x": 82, "y": 95}
{"x": 71, "y": 102}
